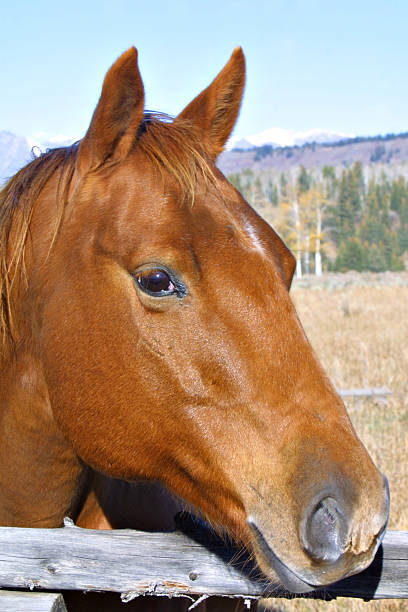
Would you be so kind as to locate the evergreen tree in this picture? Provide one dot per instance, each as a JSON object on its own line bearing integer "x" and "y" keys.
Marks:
{"x": 372, "y": 228}
{"x": 358, "y": 178}
{"x": 330, "y": 180}
{"x": 376, "y": 258}
{"x": 351, "y": 256}
{"x": 398, "y": 194}
{"x": 396, "y": 263}
{"x": 304, "y": 180}
{"x": 272, "y": 193}
{"x": 283, "y": 182}
{"x": 343, "y": 214}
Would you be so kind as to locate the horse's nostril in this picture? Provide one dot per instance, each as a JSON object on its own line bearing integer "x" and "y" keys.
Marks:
{"x": 324, "y": 531}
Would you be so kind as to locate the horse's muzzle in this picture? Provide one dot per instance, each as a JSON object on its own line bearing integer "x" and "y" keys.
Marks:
{"x": 325, "y": 536}
{"x": 290, "y": 580}
{"x": 326, "y": 527}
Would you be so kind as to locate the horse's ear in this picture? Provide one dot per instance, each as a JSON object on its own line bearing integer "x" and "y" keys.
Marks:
{"x": 117, "y": 116}
{"x": 215, "y": 110}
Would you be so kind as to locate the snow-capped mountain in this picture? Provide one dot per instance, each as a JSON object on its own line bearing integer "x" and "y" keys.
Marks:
{"x": 281, "y": 137}
{"x": 16, "y": 151}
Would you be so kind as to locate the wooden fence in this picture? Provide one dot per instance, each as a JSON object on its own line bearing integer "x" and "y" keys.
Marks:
{"x": 195, "y": 564}
{"x": 380, "y": 392}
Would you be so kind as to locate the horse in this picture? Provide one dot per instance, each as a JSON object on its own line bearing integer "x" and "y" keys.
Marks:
{"x": 151, "y": 352}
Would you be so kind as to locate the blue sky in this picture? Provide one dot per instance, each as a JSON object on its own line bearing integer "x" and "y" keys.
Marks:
{"x": 339, "y": 65}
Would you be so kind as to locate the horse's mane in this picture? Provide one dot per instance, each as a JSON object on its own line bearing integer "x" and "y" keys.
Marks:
{"x": 171, "y": 146}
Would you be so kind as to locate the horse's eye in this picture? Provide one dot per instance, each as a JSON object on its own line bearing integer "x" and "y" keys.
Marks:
{"x": 155, "y": 281}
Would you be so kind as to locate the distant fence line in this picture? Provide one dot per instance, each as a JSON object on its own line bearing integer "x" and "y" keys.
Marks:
{"x": 367, "y": 392}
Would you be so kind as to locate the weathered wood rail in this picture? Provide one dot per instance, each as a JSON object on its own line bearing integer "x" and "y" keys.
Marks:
{"x": 136, "y": 563}
{"x": 13, "y": 601}
{"x": 366, "y": 392}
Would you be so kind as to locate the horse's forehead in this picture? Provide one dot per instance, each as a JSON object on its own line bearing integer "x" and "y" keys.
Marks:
{"x": 235, "y": 219}
{"x": 250, "y": 235}
{"x": 153, "y": 206}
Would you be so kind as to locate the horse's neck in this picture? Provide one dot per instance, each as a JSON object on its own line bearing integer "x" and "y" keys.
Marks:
{"x": 40, "y": 474}
{"x": 41, "y": 478}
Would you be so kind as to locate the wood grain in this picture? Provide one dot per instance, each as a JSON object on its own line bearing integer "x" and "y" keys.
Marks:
{"x": 137, "y": 563}
{"x": 12, "y": 601}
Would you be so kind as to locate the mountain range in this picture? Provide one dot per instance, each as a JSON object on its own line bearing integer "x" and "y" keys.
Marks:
{"x": 16, "y": 151}
{"x": 283, "y": 137}
{"x": 389, "y": 151}
{"x": 274, "y": 148}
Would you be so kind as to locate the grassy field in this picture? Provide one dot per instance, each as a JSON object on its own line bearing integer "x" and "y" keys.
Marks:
{"x": 359, "y": 329}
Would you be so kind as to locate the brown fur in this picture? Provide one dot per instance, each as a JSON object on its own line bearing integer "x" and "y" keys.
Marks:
{"x": 183, "y": 158}
{"x": 215, "y": 393}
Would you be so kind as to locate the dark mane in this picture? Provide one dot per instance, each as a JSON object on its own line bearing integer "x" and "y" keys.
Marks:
{"x": 17, "y": 199}
{"x": 172, "y": 147}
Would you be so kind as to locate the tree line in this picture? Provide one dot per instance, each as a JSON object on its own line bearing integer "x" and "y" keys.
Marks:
{"x": 334, "y": 221}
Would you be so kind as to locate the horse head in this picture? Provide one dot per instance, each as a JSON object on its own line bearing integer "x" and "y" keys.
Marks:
{"x": 170, "y": 346}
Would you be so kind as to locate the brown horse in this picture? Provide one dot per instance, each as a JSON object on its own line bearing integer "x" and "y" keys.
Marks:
{"x": 148, "y": 335}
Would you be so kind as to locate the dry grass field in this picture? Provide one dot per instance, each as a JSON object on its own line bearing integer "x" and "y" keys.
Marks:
{"x": 360, "y": 333}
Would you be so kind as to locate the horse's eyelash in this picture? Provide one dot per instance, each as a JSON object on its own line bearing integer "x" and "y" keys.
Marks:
{"x": 180, "y": 287}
